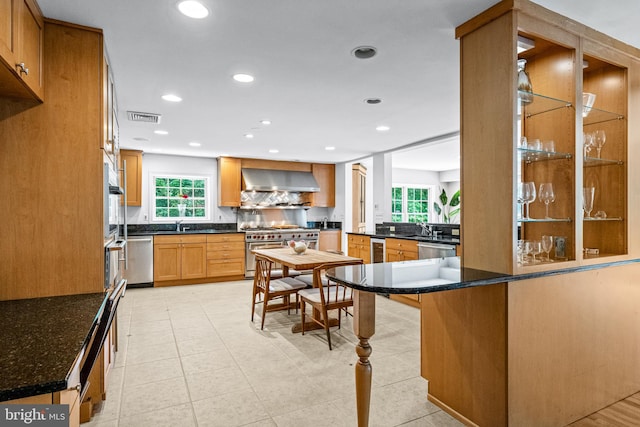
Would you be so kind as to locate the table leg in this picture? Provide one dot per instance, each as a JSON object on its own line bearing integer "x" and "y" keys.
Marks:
{"x": 364, "y": 316}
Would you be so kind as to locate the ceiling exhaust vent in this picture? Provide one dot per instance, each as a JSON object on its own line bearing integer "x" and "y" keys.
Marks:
{"x": 136, "y": 116}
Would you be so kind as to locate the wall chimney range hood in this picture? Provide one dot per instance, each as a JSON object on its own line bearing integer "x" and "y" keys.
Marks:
{"x": 281, "y": 180}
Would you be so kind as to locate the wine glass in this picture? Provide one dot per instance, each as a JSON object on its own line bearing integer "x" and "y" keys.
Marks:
{"x": 521, "y": 197}
{"x": 536, "y": 249}
{"x": 587, "y": 200}
{"x": 599, "y": 138}
{"x": 588, "y": 143}
{"x": 530, "y": 196}
{"x": 527, "y": 249}
{"x": 547, "y": 245}
{"x": 520, "y": 252}
{"x": 546, "y": 195}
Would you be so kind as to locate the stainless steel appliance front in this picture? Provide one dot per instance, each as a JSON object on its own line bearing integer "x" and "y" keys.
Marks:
{"x": 435, "y": 250}
{"x": 274, "y": 237}
{"x": 140, "y": 253}
{"x": 377, "y": 250}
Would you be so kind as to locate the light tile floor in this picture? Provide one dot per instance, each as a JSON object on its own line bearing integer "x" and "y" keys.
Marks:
{"x": 190, "y": 356}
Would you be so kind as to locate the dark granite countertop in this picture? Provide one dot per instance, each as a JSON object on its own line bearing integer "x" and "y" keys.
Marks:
{"x": 166, "y": 232}
{"x": 447, "y": 240}
{"x": 434, "y": 275}
{"x": 40, "y": 339}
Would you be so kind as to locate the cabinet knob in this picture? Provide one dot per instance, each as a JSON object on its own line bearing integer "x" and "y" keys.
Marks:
{"x": 22, "y": 68}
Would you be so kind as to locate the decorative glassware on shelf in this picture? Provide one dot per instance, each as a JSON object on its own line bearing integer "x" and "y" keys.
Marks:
{"x": 599, "y": 138}
{"x": 526, "y": 192}
{"x": 546, "y": 196}
{"x": 588, "y": 99}
{"x": 588, "y": 143}
{"x": 547, "y": 245}
{"x": 536, "y": 249}
{"x": 524, "y": 83}
{"x": 587, "y": 200}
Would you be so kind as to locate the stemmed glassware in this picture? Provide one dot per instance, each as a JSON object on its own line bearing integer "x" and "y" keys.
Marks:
{"x": 536, "y": 249}
{"x": 599, "y": 138}
{"x": 587, "y": 200}
{"x": 547, "y": 245}
{"x": 546, "y": 195}
{"x": 529, "y": 193}
{"x": 588, "y": 143}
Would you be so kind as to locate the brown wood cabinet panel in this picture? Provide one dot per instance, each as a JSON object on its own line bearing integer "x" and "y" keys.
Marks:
{"x": 330, "y": 240}
{"x": 222, "y": 254}
{"x": 359, "y": 246}
{"x": 194, "y": 260}
{"x": 21, "y": 49}
{"x": 60, "y": 140}
{"x": 229, "y": 181}
{"x": 325, "y": 174}
{"x": 167, "y": 262}
{"x": 225, "y": 267}
{"x": 134, "y": 176}
{"x": 223, "y": 238}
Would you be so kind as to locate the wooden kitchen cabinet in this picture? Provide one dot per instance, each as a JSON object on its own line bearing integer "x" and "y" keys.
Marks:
{"x": 179, "y": 257}
{"x": 21, "y": 49}
{"x": 359, "y": 246}
{"x": 226, "y": 256}
{"x": 229, "y": 181}
{"x": 325, "y": 175}
{"x": 330, "y": 240}
{"x": 400, "y": 250}
{"x": 563, "y": 64}
{"x": 134, "y": 176}
{"x": 61, "y": 136}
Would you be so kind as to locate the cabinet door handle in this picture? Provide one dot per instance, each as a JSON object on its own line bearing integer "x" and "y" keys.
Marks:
{"x": 22, "y": 68}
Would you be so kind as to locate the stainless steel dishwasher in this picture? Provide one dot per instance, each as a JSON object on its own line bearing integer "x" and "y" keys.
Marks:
{"x": 140, "y": 265}
{"x": 435, "y": 250}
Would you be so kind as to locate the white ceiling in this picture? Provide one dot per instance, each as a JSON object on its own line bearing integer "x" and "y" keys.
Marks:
{"x": 307, "y": 82}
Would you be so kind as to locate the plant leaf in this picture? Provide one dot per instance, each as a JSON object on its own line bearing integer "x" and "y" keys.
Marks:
{"x": 443, "y": 198}
{"x": 455, "y": 199}
{"x": 436, "y": 207}
{"x": 454, "y": 212}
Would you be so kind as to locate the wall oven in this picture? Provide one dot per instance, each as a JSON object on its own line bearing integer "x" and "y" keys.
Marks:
{"x": 114, "y": 247}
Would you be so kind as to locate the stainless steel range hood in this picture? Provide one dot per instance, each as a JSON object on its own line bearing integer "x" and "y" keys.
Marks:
{"x": 270, "y": 180}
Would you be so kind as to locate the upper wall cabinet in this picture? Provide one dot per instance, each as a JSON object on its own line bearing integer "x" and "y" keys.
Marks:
{"x": 545, "y": 134}
{"x": 132, "y": 159}
{"x": 21, "y": 39}
{"x": 229, "y": 181}
{"x": 325, "y": 174}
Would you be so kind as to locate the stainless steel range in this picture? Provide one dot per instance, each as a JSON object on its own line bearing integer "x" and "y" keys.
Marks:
{"x": 257, "y": 237}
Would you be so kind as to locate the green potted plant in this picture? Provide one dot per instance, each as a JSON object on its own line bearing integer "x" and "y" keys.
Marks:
{"x": 447, "y": 208}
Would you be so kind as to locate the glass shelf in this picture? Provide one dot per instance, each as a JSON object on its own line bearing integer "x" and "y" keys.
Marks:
{"x": 529, "y": 155}
{"x": 545, "y": 220}
{"x": 541, "y": 104}
{"x": 593, "y": 219}
{"x": 596, "y": 116}
{"x": 594, "y": 161}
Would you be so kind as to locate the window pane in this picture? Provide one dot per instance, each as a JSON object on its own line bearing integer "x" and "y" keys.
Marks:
{"x": 161, "y": 182}
{"x": 173, "y": 212}
{"x": 186, "y": 183}
{"x": 396, "y": 217}
{"x": 162, "y": 212}
{"x": 161, "y": 192}
{"x": 200, "y": 212}
{"x": 198, "y": 183}
{"x": 174, "y": 183}
{"x": 198, "y": 192}
{"x": 162, "y": 203}
{"x": 198, "y": 203}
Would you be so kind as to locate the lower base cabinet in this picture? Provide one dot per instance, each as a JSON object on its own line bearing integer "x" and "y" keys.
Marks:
{"x": 198, "y": 258}
{"x": 402, "y": 250}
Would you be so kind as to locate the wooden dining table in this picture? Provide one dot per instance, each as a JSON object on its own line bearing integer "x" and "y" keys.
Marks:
{"x": 311, "y": 259}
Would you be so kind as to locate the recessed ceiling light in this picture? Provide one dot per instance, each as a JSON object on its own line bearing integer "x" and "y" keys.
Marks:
{"x": 141, "y": 139}
{"x": 248, "y": 135}
{"x": 265, "y": 122}
{"x": 382, "y": 128}
{"x": 195, "y": 144}
{"x": 274, "y": 151}
{"x": 329, "y": 148}
{"x": 243, "y": 78}
{"x": 373, "y": 101}
{"x": 171, "y": 97}
{"x": 161, "y": 132}
{"x": 193, "y": 9}
{"x": 364, "y": 52}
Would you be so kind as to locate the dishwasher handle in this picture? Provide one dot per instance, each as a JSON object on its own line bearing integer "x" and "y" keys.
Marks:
{"x": 135, "y": 240}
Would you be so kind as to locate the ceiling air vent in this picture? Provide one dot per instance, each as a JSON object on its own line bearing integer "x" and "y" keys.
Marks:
{"x": 136, "y": 116}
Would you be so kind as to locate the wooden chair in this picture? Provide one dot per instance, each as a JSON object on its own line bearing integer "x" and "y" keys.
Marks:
{"x": 326, "y": 297}
{"x": 269, "y": 289}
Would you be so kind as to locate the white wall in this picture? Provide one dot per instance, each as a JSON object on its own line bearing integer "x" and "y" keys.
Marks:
{"x": 158, "y": 163}
{"x": 413, "y": 176}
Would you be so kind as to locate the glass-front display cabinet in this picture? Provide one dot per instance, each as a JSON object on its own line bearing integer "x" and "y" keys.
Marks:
{"x": 544, "y": 136}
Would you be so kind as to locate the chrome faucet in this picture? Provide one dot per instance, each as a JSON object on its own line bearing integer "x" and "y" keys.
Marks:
{"x": 427, "y": 229}
{"x": 324, "y": 222}
{"x": 178, "y": 222}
